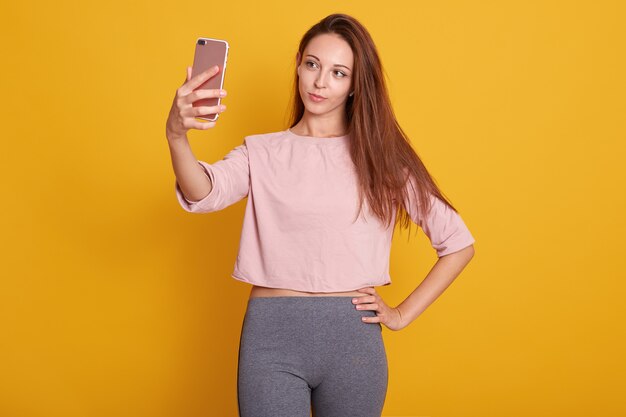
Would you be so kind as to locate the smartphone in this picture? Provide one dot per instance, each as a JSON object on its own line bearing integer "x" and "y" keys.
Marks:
{"x": 210, "y": 52}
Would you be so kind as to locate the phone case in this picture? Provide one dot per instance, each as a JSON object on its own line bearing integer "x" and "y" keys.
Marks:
{"x": 210, "y": 52}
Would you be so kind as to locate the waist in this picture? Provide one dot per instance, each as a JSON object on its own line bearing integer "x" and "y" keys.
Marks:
{"x": 258, "y": 291}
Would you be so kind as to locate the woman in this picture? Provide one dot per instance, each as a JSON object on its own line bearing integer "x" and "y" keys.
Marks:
{"x": 321, "y": 211}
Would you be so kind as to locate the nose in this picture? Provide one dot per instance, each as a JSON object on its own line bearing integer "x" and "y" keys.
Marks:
{"x": 320, "y": 80}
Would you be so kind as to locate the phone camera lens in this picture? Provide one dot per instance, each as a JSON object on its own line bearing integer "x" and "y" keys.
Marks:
{"x": 201, "y": 42}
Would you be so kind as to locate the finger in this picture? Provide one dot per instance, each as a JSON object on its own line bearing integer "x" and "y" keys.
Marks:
{"x": 369, "y": 290}
{"x": 359, "y": 299}
{"x": 196, "y": 81}
{"x": 188, "y": 73}
{"x": 364, "y": 299}
{"x": 191, "y": 122}
{"x": 204, "y": 93}
{"x": 202, "y": 110}
{"x": 369, "y": 319}
{"x": 367, "y": 306}
{"x": 202, "y": 125}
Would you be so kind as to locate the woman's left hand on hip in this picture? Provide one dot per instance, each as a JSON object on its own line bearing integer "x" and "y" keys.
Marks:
{"x": 389, "y": 316}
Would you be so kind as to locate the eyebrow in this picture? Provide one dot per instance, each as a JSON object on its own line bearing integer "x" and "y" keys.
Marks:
{"x": 337, "y": 65}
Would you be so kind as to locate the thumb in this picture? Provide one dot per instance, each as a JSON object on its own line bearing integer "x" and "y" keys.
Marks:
{"x": 188, "y": 73}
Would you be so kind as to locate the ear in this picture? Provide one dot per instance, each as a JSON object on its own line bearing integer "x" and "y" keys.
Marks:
{"x": 298, "y": 63}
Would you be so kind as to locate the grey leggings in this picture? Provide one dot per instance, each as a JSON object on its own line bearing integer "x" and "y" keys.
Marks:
{"x": 303, "y": 354}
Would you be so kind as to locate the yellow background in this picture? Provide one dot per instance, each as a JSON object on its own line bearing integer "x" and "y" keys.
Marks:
{"x": 116, "y": 302}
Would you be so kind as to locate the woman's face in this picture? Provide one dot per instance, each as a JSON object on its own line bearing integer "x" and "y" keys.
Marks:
{"x": 325, "y": 74}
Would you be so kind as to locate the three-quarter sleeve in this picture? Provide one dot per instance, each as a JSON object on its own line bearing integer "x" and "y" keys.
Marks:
{"x": 443, "y": 226}
{"x": 230, "y": 178}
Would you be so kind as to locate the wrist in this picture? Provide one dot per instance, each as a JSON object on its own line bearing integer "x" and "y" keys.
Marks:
{"x": 175, "y": 137}
{"x": 402, "y": 323}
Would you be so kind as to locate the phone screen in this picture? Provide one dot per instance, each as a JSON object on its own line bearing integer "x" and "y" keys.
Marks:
{"x": 210, "y": 52}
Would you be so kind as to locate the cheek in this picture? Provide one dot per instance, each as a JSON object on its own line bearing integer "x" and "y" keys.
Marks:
{"x": 306, "y": 78}
{"x": 341, "y": 87}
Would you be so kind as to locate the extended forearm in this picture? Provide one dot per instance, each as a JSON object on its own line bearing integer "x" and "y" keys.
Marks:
{"x": 190, "y": 176}
{"x": 445, "y": 270}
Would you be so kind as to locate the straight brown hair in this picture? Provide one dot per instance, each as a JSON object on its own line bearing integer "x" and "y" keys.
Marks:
{"x": 382, "y": 153}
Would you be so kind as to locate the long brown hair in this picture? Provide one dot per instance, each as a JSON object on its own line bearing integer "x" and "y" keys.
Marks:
{"x": 379, "y": 148}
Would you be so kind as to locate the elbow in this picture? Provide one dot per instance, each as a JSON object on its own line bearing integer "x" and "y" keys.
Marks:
{"x": 209, "y": 203}
{"x": 198, "y": 209}
{"x": 467, "y": 253}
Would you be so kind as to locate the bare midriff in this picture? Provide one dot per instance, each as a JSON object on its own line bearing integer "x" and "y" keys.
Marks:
{"x": 257, "y": 291}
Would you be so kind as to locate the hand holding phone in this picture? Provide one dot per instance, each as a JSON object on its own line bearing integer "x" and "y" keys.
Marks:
{"x": 209, "y": 53}
{"x": 196, "y": 98}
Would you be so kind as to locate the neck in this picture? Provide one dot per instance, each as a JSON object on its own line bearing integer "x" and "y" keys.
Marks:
{"x": 322, "y": 126}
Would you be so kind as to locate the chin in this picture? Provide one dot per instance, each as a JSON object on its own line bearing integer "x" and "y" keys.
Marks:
{"x": 316, "y": 109}
{"x": 319, "y": 108}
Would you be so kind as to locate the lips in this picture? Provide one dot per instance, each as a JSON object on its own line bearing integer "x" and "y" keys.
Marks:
{"x": 316, "y": 98}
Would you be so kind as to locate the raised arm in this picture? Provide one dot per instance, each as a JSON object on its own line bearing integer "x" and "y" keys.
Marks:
{"x": 230, "y": 180}
{"x": 191, "y": 178}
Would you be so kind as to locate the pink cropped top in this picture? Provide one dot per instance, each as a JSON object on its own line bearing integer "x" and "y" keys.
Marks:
{"x": 298, "y": 231}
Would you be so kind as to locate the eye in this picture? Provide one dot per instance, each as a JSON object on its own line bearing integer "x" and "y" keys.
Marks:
{"x": 312, "y": 64}
{"x": 340, "y": 74}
